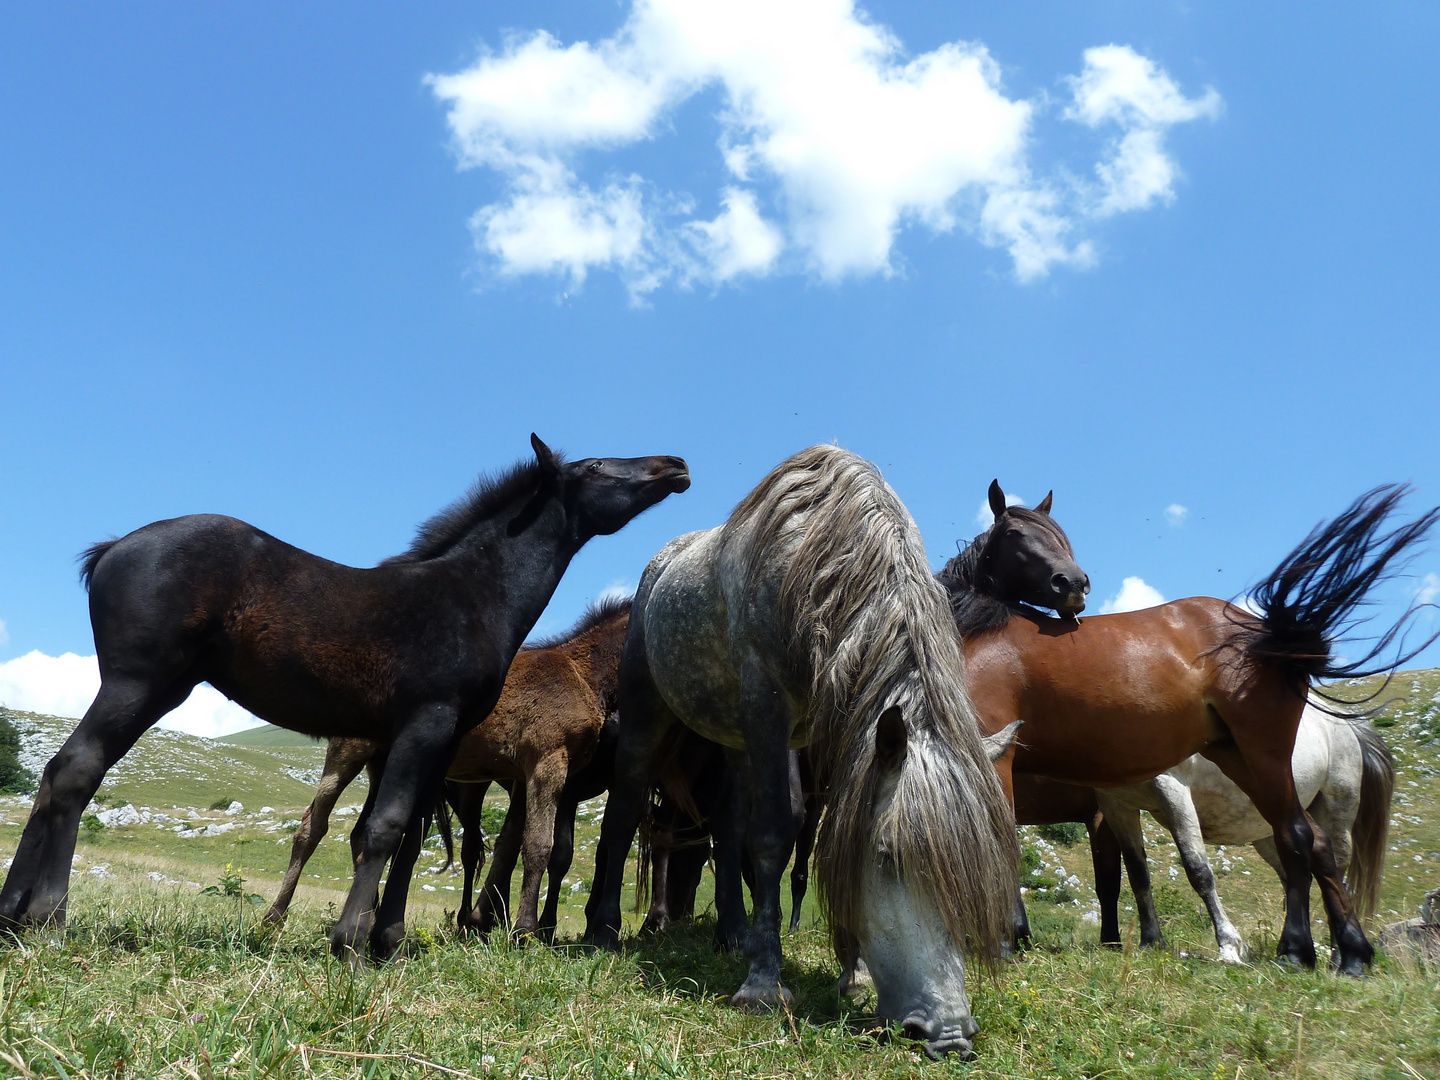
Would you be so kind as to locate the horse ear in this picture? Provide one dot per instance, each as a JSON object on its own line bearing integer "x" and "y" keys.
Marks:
{"x": 997, "y": 744}
{"x": 892, "y": 738}
{"x": 1043, "y": 506}
{"x": 997, "y": 498}
{"x": 545, "y": 457}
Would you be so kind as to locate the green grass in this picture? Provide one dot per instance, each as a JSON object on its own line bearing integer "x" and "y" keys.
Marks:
{"x": 268, "y": 735}
{"x": 155, "y": 979}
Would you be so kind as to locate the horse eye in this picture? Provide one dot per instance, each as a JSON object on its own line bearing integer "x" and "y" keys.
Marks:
{"x": 596, "y": 466}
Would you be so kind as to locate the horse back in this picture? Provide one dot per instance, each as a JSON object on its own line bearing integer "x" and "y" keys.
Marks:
{"x": 547, "y": 705}
{"x": 1142, "y": 680}
{"x": 299, "y": 640}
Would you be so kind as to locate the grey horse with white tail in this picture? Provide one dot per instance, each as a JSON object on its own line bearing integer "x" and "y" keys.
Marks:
{"x": 811, "y": 618}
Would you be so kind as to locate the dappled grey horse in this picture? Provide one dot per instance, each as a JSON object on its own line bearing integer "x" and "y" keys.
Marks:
{"x": 811, "y": 618}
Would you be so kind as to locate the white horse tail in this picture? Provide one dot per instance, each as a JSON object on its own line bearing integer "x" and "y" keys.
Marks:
{"x": 1372, "y": 820}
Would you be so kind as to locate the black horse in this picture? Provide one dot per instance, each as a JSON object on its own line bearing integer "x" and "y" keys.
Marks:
{"x": 411, "y": 653}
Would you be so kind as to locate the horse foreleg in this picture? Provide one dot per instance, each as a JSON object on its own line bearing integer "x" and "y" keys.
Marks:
{"x": 770, "y": 836}
{"x": 1351, "y": 951}
{"x": 1105, "y": 857}
{"x": 662, "y": 845}
{"x": 727, "y": 831}
{"x": 414, "y": 771}
{"x": 542, "y": 792}
{"x": 645, "y": 718}
{"x": 389, "y": 929}
{"x": 342, "y": 765}
{"x": 38, "y": 884}
{"x": 1124, "y": 821}
{"x": 1177, "y": 814}
{"x": 804, "y": 845}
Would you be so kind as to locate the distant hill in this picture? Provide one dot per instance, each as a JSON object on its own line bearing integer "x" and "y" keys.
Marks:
{"x": 268, "y": 735}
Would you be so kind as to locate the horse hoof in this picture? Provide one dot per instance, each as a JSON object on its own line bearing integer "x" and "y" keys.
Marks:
{"x": 654, "y": 926}
{"x": 1232, "y": 954}
{"x": 762, "y": 997}
{"x": 1353, "y": 966}
{"x": 1292, "y": 962}
{"x": 606, "y": 938}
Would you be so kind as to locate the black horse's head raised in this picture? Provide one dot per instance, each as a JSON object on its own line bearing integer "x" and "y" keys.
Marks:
{"x": 1025, "y": 557}
{"x": 603, "y": 494}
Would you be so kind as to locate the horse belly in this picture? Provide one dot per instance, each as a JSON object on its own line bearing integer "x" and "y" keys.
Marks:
{"x": 1225, "y": 813}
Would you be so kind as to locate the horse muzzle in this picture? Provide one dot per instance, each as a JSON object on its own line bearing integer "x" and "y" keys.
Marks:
{"x": 940, "y": 1038}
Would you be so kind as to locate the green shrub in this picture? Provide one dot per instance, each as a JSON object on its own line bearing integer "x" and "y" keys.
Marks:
{"x": 1068, "y": 833}
{"x": 15, "y": 779}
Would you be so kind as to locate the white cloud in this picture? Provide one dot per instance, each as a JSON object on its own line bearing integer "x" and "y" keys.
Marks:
{"x": 4, "y": 634}
{"x": 1176, "y": 514}
{"x": 834, "y": 141}
{"x": 1119, "y": 86}
{"x": 985, "y": 517}
{"x": 1134, "y": 594}
{"x": 739, "y": 241}
{"x": 1429, "y": 589}
{"x": 66, "y": 685}
{"x": 618, "y": 589}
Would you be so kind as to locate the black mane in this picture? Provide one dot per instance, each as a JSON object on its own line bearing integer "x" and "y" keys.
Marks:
{"x": 598, "y": 612}
{"x": 975, "y": 610}
{"x": 489, "y": 495}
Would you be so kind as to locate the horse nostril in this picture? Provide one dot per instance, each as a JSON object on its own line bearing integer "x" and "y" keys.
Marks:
{"x": 1087, "y": 584}
{"x": 1060, "y": 583}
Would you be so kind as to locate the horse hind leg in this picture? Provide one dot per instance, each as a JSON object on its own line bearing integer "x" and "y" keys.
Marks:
{"x": 1178, "y": 815}
{"x": 1351, "y": 952}
{"x": 1272, "y": 789}
{"x": 342, "y": 764}
{"x": 38, "y": 885}
{"x": 804, "y": 845}
{"x": 493, "y": 907}
{"x": 562, "y": 856}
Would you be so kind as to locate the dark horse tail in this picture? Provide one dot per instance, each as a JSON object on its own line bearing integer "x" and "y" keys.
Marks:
{"x": 1312, "y": 597}
{"x": 1372, "y": 820}
{"x": 90, "y": 558}
{"x": 439, "y": 814}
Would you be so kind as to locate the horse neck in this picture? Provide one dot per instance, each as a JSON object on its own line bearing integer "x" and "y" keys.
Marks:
{"x": 597, "y": 654}
{"x": 518, "y": 572}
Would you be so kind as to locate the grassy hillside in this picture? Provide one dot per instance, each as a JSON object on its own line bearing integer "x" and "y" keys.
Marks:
{"x": 267, "y": 735}
{"x": 153, "y": 978}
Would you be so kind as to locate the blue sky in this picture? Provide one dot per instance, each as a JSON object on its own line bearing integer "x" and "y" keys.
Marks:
{"x": 318, "y": 266}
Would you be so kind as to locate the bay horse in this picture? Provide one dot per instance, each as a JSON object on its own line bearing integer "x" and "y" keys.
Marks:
{"x": 1118, "y": 699}
{"x": 1344, "y": 777}
{"x": 411, "y": 653}
{"x": 811, "y": 618}
{"x": 545, "y": 727}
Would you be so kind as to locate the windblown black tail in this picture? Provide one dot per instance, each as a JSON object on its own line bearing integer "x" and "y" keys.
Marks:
{"x": 90, "y": 558}
{"x": 1312, "y": 597}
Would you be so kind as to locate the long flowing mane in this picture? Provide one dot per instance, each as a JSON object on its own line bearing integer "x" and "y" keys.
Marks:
{"x": 974, "y": 610}
{"x": 601, "y": 611}
{"x": 488, "y": 495}
{"x": 870, "y": 625}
